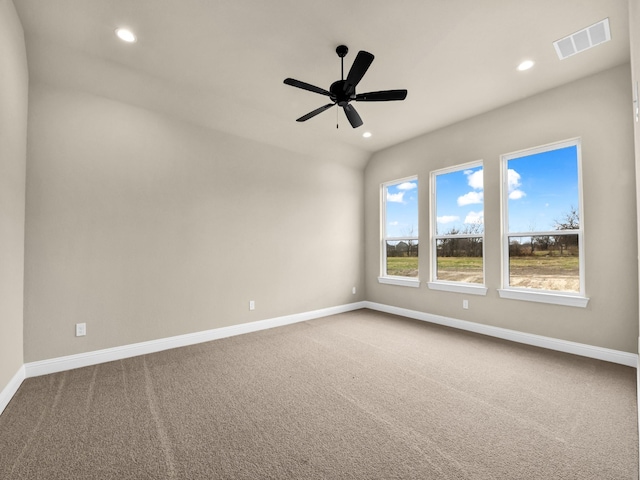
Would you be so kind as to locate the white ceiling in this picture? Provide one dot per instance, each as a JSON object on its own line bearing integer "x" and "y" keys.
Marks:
{"x": 221, "y": 63}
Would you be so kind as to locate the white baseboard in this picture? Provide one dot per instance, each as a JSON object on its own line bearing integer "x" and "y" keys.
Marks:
{"x": 7, "y": 393}
{"x": 69, "y": 362}
{"x": 608, "y": 355}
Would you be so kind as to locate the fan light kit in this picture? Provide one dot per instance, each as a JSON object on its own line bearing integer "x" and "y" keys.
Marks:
{"x": 125, "y": 35}
{"x": 342, "y": 92}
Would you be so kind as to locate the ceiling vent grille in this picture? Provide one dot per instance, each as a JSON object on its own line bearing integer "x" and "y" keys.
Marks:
{"x": 583, "y": 40}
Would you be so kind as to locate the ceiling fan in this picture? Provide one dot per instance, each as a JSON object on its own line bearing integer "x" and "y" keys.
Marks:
{"x": 342, "y": 92}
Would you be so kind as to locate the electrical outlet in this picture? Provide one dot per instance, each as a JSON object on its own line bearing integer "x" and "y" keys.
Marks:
{"x": 465, "y": 304}
{"x": 81, "y": 329}
{"x": 252, "y": 305}
{"x": 353, "y": 290}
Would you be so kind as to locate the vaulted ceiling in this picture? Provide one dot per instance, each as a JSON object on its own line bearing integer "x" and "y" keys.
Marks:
{"x": 221, "y": 63}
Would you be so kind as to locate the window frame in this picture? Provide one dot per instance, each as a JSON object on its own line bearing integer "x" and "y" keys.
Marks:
{"x": 384, "y": 277}
{"x": 449, "y": 285}
{"x": 567, "y": 298}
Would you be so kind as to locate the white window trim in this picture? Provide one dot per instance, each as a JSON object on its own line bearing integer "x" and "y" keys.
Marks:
{"x": 400, "y": 281}
{"x": 544, "y": 296}
{"x": 393, "y": 279}
{"x": 458, "y": 287}
{"x": 444, "y": 285}
{"x": 572, "y": 299}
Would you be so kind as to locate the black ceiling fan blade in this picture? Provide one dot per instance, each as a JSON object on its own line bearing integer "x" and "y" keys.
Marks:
{"x": 382, "y": 96}
{"x": 352, "y": 115}
{"x": 360, "y": 66}
{"x": 309, "y": 115}
{"x": 306, "y": 86}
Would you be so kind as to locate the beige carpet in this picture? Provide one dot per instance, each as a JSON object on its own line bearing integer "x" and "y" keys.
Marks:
{"x": 362, "y": 395}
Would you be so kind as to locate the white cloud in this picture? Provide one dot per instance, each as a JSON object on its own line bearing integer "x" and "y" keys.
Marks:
{"x": 394, "y": 224}
{"x": 513, "y": 183}
{"x": 475, "y": 179}
{"x": 474, "y": 217}
{"x": 448, "y": 219}
{"x": 513, "y": 179}
{"x": 470, "y": 198}
{"x": 407, "y": 186}
{"x": 395, "y": 197}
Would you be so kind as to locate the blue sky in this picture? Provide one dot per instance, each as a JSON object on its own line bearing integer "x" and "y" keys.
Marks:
{"x": 542, "y": 188}
{"x": 402, "y": 209}
{"x": 460, "y": 200}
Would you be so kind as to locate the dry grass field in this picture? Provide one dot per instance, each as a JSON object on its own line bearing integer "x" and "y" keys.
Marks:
{"x": 545, "y": 272}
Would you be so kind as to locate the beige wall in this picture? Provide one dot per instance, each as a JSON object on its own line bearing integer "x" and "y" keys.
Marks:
{"x": 634, "y": 36}
{"x": 13, "y": 130}
{"x": 598, "y": 109}
{"x": 145, "y": 227}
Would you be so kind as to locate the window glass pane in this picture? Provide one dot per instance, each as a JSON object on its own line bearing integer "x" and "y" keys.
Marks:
{"x": 401, "y": 203}
{"x": 402, "y": 258}
{"x": 543, "y": 191}
{"x": 459, "y": 260}
{"x": 460, "y": 202}
{"x": 545, "y": 262}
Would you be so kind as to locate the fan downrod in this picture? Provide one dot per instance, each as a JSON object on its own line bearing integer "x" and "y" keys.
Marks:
{"x": 342, "y": 51}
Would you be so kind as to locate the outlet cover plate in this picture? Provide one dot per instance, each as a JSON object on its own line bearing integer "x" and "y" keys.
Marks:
{"x": 81, "y": 329}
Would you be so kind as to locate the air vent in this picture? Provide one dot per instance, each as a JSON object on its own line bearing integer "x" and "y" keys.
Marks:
{"x": 583, "y": 40}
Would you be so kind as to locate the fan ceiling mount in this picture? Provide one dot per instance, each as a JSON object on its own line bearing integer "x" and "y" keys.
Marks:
{"x": 343, "y": 92}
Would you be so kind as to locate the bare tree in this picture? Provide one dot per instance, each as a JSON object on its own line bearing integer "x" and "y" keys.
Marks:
{"x": 475, "y": 241}
{"x": 412, "y": 245}
{"x": 469, "y": 243}
{"x": 570, "y": 221}
{"x": 515, "y": 248}
{"x": 541, "y": 242}
{"x": 448, "y": 245}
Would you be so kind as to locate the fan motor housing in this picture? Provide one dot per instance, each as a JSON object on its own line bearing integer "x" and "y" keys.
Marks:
{"x": 338, "y": 95}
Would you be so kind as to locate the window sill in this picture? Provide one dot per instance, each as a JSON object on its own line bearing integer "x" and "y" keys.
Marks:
{"x": 545, "y": 297}
{"x": 467, "y": 288}
{"x": 401, "y": 281}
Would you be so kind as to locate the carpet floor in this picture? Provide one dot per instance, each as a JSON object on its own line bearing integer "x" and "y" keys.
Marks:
{"x": 360, "y": 395}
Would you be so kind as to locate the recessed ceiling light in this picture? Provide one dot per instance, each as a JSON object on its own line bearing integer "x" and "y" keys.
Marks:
{"x": 526, "y": 65}
{"x": 125, "y": 35}
{"x": 366, "y": 134}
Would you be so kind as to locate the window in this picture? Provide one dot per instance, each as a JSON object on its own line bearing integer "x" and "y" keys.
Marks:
{"x": 457, "y": 229}
{"x": 400, "y": 232}
{"x": 542, "y": 225}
